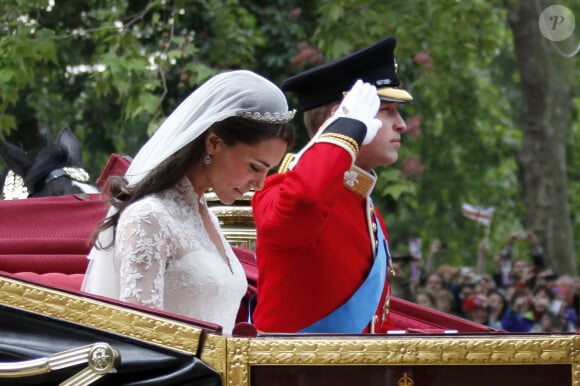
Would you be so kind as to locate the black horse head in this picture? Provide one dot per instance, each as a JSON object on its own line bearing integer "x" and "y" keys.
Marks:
{"x": 56, "y": 170}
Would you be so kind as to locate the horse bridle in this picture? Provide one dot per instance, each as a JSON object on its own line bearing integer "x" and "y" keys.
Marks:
{"x": 74, "y": 173}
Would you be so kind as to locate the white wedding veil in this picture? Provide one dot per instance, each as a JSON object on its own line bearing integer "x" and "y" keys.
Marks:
{"x": 233, "y": 93}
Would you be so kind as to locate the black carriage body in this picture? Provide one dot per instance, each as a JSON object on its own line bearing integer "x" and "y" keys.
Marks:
{"x": 28, "y": 335}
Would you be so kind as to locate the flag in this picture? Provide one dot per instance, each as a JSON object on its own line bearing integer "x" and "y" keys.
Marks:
{"x": 481, "y": 214}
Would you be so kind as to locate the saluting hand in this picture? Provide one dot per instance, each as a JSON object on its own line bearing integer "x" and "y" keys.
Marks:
{"x": 362, "y": 103}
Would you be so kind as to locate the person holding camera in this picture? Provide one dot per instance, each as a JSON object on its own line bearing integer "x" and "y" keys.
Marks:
{"x": 551, "y": 311}
{"x": 519, "y": 273}
{"x": 520, "y": 315}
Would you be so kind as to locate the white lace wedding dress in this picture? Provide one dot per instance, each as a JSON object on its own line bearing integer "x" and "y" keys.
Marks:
{"x": 168, "y": 261}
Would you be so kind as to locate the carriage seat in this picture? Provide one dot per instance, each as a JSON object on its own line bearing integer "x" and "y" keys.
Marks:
{"x": 45, "y": 241}
{"x": 46, "y": 238}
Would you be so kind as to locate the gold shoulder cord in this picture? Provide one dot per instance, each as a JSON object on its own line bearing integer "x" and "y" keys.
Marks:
{"x": 341, "y": 139}
{"x": 286, "y": 162}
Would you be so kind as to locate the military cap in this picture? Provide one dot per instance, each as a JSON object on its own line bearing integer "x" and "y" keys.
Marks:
{"x": 327, "y": 83}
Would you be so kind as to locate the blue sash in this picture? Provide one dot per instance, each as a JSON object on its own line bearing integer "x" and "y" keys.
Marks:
{"x": 355, "y": 314}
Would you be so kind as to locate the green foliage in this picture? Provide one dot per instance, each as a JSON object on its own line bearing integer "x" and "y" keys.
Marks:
{"x": 392, "y": 184}
{"x": 112, "y": 70}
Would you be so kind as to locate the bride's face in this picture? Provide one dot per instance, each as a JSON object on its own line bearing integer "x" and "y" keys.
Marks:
{"x": 239, "y": 168}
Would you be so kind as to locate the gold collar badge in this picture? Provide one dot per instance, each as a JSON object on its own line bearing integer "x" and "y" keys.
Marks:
{"x": 359, "y": 181}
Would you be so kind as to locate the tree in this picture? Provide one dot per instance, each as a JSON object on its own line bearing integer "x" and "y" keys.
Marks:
{"x": 547, "y": 79}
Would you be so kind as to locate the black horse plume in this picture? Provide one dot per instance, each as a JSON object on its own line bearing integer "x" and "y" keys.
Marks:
{"x": 56, "y": 170}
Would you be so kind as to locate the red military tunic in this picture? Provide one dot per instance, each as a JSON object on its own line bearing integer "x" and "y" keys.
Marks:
{"x": 315, "y": 239}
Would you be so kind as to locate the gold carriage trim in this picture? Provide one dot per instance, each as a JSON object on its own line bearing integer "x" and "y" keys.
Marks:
{"x": 101, "y": 315}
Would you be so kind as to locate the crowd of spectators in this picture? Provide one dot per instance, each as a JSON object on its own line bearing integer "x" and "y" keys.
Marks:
{"x": 520, "y": 294}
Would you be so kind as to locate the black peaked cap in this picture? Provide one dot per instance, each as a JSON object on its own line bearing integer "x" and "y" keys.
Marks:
{"x": 326, "y": 83}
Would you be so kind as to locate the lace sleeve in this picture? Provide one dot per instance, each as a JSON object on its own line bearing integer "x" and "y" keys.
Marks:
{"x": 142, "y": 248}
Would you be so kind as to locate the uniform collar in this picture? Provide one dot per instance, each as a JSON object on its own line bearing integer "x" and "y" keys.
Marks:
{"x": 359, "y": 181}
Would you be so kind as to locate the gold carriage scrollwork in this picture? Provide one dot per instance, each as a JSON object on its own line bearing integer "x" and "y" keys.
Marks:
{"x": 403, "y": 352}
{"x": 239, "y": 359}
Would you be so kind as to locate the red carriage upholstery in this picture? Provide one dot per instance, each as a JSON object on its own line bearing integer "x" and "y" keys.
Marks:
{"x": 49, "y": 234}
{"x": 53, "y": 279}
{"x": 46, "y": 240}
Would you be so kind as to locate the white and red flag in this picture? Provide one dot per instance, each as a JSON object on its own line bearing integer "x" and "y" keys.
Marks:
{"x": 481, "y": 214}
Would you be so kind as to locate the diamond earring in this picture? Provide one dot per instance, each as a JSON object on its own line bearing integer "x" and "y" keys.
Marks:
{"x": 207, "y": 159}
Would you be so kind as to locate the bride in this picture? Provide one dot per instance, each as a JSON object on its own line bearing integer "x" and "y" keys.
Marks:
{"x": 159, "y": 245}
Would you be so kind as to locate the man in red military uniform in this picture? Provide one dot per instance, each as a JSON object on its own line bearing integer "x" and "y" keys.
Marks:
{"x": 321, "y": 249}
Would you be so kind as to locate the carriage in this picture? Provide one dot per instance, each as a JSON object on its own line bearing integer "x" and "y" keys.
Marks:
{"x": 52, "y": 333}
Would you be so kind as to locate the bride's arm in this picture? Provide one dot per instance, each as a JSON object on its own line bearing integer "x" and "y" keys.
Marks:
{"x": 142, "y": 248}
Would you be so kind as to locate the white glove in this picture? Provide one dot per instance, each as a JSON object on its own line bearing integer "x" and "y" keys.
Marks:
{"x": 362, "y": 103}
